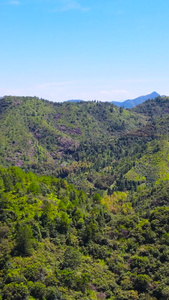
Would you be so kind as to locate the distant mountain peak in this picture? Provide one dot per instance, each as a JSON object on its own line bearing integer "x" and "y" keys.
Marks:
{"x": 133, "y": 102}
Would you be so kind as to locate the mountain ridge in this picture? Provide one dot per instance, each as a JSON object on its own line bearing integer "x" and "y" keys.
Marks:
{"x": 130, "y": 103}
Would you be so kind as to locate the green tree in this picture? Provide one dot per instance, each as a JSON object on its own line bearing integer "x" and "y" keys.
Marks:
{"x": 24, "y": 240}
{"x": 15, "y": 291}
{"x": 72, "y": 258}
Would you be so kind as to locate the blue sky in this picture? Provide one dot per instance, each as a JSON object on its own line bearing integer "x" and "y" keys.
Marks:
{"x": 84, "y": 49}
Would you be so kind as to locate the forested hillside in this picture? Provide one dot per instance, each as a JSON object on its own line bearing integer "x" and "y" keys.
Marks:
{"x": 101, "y": 229}
{"x": 81, "y": 142}
{"x": 96, "y": 146}
{"x": 59, "y": 243}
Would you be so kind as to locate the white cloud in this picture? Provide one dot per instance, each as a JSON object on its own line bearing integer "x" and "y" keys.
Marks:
{"x": 66, "y": 5}
{"x": 58, "y": 5}
{"x": 14, "y": 2}
{"x": 54, "y": 84}
{"x": 112, "y": 92}
{"x": 12, "y": 91}
{"x": 143, "y": 80}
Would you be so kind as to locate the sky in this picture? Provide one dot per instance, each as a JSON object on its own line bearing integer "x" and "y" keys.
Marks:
{"x": 84, "y": 49}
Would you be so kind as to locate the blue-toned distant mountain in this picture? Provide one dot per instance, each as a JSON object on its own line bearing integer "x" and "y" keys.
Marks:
{"x": 74, "y": 100}
{"x": 131, "y": 103}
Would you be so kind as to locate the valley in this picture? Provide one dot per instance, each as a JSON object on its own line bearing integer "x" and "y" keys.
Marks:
{"x": 84, "y": 200}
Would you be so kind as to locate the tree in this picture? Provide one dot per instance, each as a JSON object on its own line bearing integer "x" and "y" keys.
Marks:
{"x": 15, "y": 291}
{"x": 72, "y": 258}
{"x": 24, "y": 240}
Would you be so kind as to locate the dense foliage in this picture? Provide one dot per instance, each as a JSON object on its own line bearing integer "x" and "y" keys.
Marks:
{"x": 81, "y": 142}
{"x": 58, "y": 242}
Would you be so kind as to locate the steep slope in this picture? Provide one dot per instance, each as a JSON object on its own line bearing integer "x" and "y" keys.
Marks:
{"x": 147, "y": 179}
{"x": 131, "y": 103}
{"x": 156, "y": 107}
{"x": 63, "y": 138}
{"x": 153, "y": 165}
{"x": 157, "y": 111}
